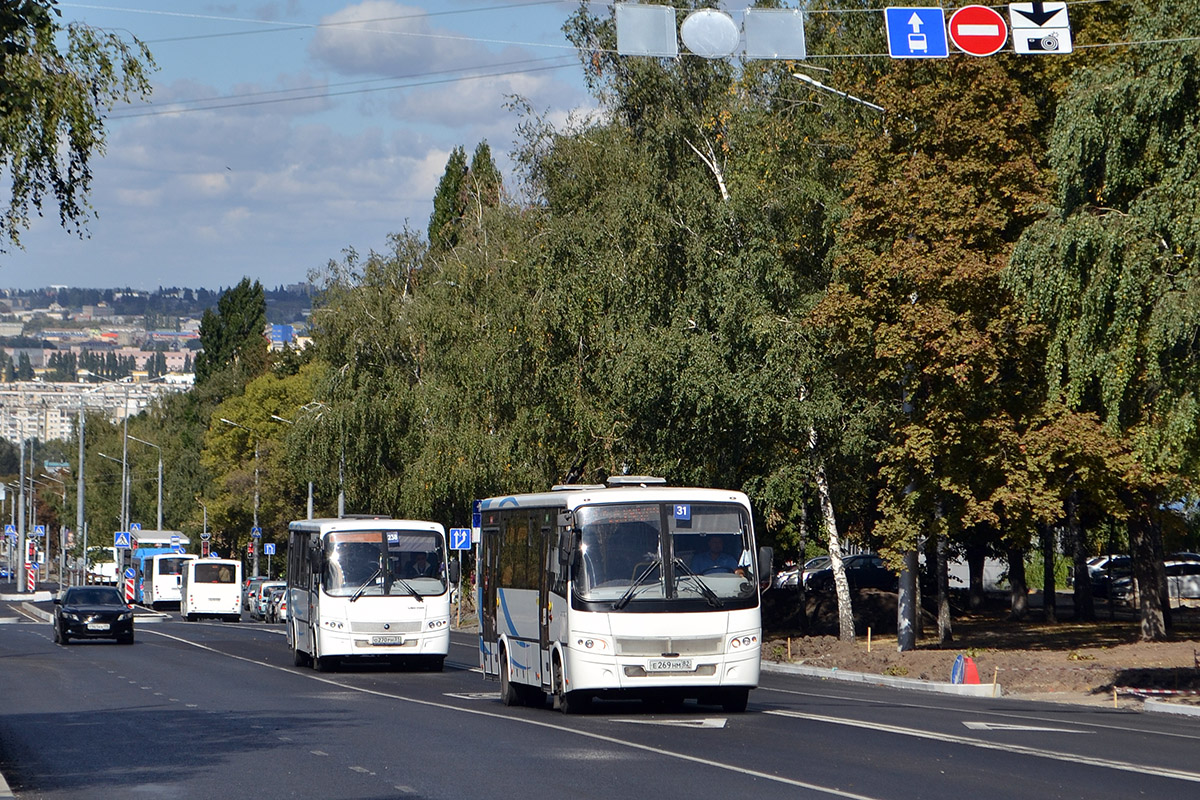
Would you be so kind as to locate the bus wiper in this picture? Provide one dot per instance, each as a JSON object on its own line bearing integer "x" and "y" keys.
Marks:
{"x": 411, "y": 590}
{"x": 708, "y": 593}
{"x": 637, "y": 582}
{"x": 358, "y": 592}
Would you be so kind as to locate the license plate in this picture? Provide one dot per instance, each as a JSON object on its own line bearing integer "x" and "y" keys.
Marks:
{"x": 97, "y": 626}
{"x": 669, "y": 665}
{"x": 387, "y": 639}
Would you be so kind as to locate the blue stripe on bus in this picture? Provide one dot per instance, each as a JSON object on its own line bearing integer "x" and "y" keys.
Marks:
{"x": 511, "y": 628}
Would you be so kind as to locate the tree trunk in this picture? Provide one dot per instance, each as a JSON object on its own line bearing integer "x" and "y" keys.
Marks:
{"x": 803, "y": 593}
{"x": 845, "y": 611}
{"x": 1085, "y": 607}
{"x": 1018, "y": 588}
{"x": 1049, "y": 590}
{"x": 1148, "y": 575}
{"x": 945, "y": 634}
{"x": 976, "y": 559}
{"x": 907, "y": 609}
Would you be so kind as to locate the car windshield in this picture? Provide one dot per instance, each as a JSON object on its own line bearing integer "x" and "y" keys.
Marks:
{"x": 624, "y": 556}
{"x": 93, "y": 597}
{"x": 375, "y": 563}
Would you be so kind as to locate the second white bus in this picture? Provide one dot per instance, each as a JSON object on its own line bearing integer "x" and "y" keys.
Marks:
{"x": 211, "y": 587}
{"x": 634, "y": 589}
{"x": 368, "y": 588}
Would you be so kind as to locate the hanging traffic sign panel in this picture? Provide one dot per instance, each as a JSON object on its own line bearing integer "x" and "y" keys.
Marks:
{"x": 978, "y": 30}
{"x": 1040, "y": 28}
{"x": 916, "y": 32}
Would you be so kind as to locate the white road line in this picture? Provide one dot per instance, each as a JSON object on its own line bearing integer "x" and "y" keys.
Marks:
{"x": 766, "y": 776}
{"x": 892, "y": 703}
{"x": 1015, "y": 749}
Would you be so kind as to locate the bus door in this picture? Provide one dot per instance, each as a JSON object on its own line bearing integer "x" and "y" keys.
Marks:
{"x": 489, "y": 573}
{"x": 544, "y": 520}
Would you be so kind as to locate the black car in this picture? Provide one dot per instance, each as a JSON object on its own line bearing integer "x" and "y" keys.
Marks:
{"x": 863, "y": 571}
{"x": 92, "y": 612}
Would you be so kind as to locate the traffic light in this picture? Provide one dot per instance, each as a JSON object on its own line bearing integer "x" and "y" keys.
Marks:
{"x": 250, "y": 549}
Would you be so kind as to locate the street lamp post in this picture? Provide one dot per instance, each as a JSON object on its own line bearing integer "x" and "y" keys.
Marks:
{"x": 123, "y": 513}
{"x": 160, "y": 477}
{"x": 278, "y": 418}
{"x": 21, "y": 577}
{"x": 255, "y": 437}
{"x": 62, "y": 539}
{"x": 203, "y": 530}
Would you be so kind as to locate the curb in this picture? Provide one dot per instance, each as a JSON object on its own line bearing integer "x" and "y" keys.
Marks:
{"x": 833, "y": 673}
{"x": 1160, "y": 707}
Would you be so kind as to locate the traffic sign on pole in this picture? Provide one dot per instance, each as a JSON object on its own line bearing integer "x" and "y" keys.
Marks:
{"x": 460, "y": 538}
{"x": 916, "y": 32}
{"x": 39, "y": 530}
{"x": 269, "y": 549}
{"x": 256, "y": 532}
{"x": 121, "y": 540}
{"x": 978, "y": 30}
{"x": 1040, "y": 28}
{"x": 130, "y": 576}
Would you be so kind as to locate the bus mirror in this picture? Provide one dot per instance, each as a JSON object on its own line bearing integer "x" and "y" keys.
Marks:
{"x": 765, "y": 556}
{"x": 454, "y": 571}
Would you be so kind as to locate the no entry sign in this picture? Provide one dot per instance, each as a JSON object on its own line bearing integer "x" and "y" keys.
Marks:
{"x": 978, "y": 30}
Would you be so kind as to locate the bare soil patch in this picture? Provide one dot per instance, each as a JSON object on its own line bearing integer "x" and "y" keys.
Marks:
{"x": 1067, "y": 660}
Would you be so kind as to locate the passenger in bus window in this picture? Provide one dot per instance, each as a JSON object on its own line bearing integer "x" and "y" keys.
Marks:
{"x": 715, "y": 559}
{"x": 420, "y": 567}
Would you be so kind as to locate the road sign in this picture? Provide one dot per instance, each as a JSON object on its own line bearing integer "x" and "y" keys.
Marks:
{"x": 121, "y": 540}
{"x": 916, "y": 32}
{"x": 204, "y": 537}
{"x": 134, "y": 527}
{"x": 130, "y": 576}
{"x": 10, "y": 530}
{"x": 39, "y": 530}
{"x": 1040, "y": 28}
{"x": 978, "y": 30}
{"x": 31, "y": 576}
{"x": 177, "y": 549}
{"x": 256, "y": 532}
{"x": 269, "y": 549}
{"x": 460, "y": 538}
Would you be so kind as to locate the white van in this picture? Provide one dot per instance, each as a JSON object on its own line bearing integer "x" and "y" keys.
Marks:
{"x": 211, "y": 587}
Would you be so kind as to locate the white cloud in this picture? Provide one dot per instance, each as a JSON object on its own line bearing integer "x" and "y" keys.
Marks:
{"x": 378, "y": 37}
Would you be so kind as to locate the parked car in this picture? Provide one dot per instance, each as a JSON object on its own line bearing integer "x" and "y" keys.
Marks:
{"x": 1106, "y": 570}
{"x": 262, "y": 595}
{"x": 92, "y": 612}
{"x": 249, "y": 594}
{"x": 278, "y": 607}
{"x": 1183, "y": 582}
{"x": 272, "y": 604}
{"x": 863, "y": 571}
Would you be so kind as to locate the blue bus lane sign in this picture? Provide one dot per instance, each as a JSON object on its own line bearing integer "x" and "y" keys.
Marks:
{"x": 916, "y": 32}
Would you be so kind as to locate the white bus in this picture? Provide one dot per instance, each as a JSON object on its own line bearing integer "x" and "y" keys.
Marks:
{"x": 634, "y": 589}
{"x": 211, "y": 587}
{"x": 160, "y": 576}
{"x": 368, "y": 588}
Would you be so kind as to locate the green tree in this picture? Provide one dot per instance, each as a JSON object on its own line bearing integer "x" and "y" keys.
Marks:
{"x": 234, "y": 337}
{"x": 447, "y": 208}
{"x": 1112, "y": 273}
{"x": 52, "y": 109}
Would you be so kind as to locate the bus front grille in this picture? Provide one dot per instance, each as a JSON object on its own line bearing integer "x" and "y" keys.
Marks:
{"x": 408, "y": 626}
{"x": 663, "y": 646}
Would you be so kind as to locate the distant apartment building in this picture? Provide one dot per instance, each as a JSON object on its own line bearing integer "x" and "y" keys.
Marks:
{"x": 33, "y": 409}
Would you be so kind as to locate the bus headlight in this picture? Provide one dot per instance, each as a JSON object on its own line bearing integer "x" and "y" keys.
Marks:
{"x": 437, "y": 624}
{"x": 743, "y": 642}
{"x": 593, "y": 643}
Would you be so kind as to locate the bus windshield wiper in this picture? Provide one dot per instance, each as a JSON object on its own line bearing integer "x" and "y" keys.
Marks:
{"x": 708, "y": 593}
{"x": 358, "y": 592}
{"x": 637, "y": 582}
{"x": 406, "y": 585}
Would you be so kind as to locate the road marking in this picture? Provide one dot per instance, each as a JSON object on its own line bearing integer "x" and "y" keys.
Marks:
{"x": 707, "y": 722}
{"x": 1070, "y": 758}
{"x": 474, "y": 695}
{"x": 362, "y": 770}
{"x": 318, "y": 752}
{"x": 753, "y": 773}
{"x": 1003, "y": 726}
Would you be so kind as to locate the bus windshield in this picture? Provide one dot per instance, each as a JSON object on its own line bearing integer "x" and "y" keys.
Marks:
{"x": 624, "y": 556}
{"x": 376, "y": 563}
{"x": 171, "y": 566}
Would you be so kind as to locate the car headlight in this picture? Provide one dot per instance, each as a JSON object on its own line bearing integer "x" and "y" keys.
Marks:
{"x": 71, "y": 616}
{"x": 128, "y": 615}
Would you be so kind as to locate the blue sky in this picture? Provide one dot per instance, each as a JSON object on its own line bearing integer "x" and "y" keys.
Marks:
{"x": 281, "y": 133}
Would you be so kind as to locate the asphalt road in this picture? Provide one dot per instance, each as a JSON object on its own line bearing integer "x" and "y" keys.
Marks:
{"x": 216, "y": 710}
